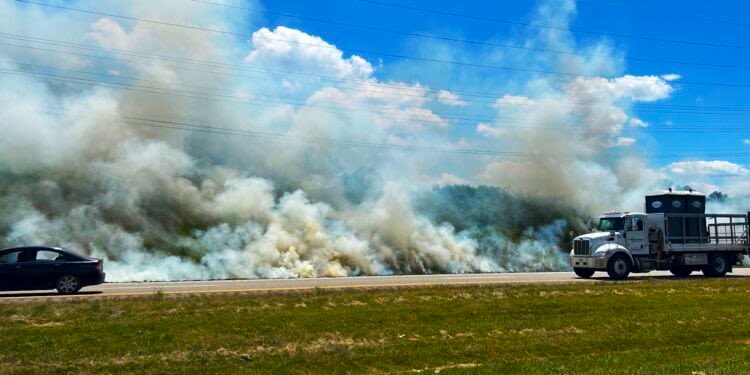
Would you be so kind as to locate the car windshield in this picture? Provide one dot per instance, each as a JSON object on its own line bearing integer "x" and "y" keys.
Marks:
{"x": 610, "y": 224}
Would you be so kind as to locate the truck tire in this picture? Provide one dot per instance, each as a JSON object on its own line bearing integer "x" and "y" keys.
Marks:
{"x": 619, "y": 267}
{"x": 717, "y": 266}
{"x": 680, "y": 271}
{"x": 584, "y": 273}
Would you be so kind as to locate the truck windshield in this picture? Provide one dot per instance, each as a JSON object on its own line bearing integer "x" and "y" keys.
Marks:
{"x": 611, "y": 223}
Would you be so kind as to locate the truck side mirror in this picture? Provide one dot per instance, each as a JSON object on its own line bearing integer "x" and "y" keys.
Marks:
{"x": 589, "y": 225}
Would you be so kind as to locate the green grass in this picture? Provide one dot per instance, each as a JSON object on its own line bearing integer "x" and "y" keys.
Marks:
{"x": 649, "y": 327}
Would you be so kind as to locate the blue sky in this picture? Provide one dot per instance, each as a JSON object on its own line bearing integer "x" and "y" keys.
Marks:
{"x": 684, "y": 20}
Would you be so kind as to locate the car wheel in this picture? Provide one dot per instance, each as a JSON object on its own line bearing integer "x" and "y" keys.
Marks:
{"x": 68, "y": 284}
{"x": 717, "y": 266}
{"x": 584, "y": 273}
{"x": 680, "y": 271}
{"x": 619, "y": 267}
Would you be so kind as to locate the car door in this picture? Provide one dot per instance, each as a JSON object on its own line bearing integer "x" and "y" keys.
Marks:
{"x": 44, "y": 270}
{"x": 8, "y": 274}
{"x": 13, "y": 271}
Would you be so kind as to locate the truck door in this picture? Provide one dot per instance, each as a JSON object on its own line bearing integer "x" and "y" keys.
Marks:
{"x": 635, "y": 235}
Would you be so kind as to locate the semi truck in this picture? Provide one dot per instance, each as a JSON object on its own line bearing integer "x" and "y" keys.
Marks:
{"x": 673, "y": 233}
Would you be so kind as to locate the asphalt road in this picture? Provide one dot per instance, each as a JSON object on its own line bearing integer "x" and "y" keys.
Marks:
{"x": 263, "y": 285}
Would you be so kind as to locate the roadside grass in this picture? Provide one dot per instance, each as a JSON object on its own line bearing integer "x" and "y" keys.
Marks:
{"x": 685, "y": 326}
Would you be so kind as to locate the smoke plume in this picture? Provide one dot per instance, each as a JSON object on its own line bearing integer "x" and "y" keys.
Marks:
{"x": 191, "y": 155}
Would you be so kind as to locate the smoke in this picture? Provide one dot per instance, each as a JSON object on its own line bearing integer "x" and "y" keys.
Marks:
{"x": 81, "y": 168}
{"x": 577, "y": 129}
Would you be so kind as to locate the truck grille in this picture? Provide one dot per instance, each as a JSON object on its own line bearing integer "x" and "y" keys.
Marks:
{"x": 581, "y": 247}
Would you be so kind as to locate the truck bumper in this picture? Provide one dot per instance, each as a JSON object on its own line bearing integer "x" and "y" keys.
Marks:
{"x": 588, "y": 262}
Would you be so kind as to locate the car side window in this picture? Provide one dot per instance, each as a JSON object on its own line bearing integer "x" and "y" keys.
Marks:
{"x": 11, "y": 257}
{"x": 26, "y": 256}
{"x": 47, "y": 256}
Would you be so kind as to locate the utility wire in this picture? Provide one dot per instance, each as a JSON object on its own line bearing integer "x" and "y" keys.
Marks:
{"x": 399, "y": 116}
{"x": 366, "y": 52}
{"x": 419, "y": 92}
{"x": 320, "y": 141}
{"x": 553, "y": 27}
{"x": 457, "y": 40}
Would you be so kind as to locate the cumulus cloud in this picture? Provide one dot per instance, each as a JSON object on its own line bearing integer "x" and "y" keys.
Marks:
{"x": 635, "y": 88}
{"x": 450, "y": 98}
{"x": 712, "y": 167}
{"x": 513, "y": 100}
{"x": 623, "y": 141}
{"x": 293, "y": 48}
{"x": 489, "y": 131}
{"x": 638, "y": 123}
{"x": 671, "y": 77}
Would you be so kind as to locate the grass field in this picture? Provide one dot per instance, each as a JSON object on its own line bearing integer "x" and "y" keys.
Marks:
{"x": 652, "y": 327}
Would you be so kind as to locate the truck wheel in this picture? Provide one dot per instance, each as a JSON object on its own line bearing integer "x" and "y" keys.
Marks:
{"x": 584, "y": 273}
{"x": 619, "y": 267}
{"x": 717, "y": 266}
{"x": 680, "y": 271}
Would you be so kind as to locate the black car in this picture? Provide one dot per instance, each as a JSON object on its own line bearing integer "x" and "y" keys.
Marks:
{"x": 44, "y": 268}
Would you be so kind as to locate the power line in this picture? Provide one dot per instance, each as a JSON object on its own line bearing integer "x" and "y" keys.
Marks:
{"x": 320, "y": 141}
{"x": 458, "y": 40}
{"x": 552, "y": 27}
{"x": 421, "y": 91}
{"x": 399, "y": 116}
{"x": 366, "y": 52}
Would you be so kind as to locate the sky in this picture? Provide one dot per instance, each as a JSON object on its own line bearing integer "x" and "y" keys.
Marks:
{"x": 691, "y": 21}
{"x": 672, "y": 133}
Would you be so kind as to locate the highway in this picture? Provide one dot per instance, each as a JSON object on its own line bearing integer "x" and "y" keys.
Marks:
{"x": 270, "y": 285}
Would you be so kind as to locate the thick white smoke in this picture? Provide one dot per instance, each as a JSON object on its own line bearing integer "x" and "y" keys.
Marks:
{"x": 578, "y": 128}
{"x": 79, "y": 167}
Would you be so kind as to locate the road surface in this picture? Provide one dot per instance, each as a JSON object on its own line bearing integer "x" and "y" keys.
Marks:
{"x": 265, "y": 285}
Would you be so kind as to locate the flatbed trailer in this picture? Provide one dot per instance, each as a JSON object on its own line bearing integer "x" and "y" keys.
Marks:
{"x": 715, "y": 233}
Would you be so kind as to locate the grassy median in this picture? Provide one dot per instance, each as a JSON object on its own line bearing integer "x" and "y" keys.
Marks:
{"x": 696, "y": 326}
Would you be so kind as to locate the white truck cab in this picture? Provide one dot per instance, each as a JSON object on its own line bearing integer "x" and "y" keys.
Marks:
{"x": 621, "y": 234}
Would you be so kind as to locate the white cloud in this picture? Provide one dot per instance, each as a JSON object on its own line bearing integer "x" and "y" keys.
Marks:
{"x": 449, "y": 98}
{"x": 510, "y": 100}
{"x": 290, "y": 86}
{"x": 294, "y": 48}
{"x": 746, "y": 141}
{"x": 623, "y": 141}
{"x": 423, "y": 115}
{"x": 671, "y": 77}
{"x": 638, "y": 123}
{"x": 636, "y": 88}
{"x": 713, "y": 167}
{"x": 110, "y": 34}
{"x": 489, "y": 131}
{"x": 393, "y": 93}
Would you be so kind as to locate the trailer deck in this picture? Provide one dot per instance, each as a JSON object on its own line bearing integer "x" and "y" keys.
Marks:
{"x": 715, "y": 233}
